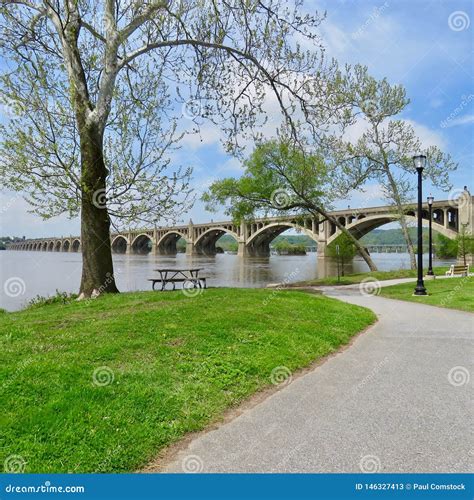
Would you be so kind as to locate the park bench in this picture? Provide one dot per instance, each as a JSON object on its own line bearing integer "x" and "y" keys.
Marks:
{"x": 173, "y": 276}
{"x": 458, "y": 270}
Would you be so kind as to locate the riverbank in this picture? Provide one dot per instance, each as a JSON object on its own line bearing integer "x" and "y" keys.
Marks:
{"x": 353, "y": 279}
{"x": 42, "y": 273}
{"x": 103, "y": 385}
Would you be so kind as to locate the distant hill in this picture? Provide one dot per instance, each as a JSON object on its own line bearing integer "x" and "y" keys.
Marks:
{"x": 390, "y": 236}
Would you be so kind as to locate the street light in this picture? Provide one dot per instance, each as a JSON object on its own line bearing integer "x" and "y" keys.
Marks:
{"x": 430, "y": 236}
{"x": 420, "y": 161}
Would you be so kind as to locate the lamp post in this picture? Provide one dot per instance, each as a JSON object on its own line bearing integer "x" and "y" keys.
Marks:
{"x": 420, "y": 161}
{"x": 430, "y": 236}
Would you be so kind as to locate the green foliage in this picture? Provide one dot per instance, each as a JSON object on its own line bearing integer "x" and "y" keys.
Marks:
{"x": 283, "y": 246}
{"x": 278, "y": 177}
{"x": 177, "y": 363}
{"x": 445, "y": 247}
{"x": 342, "y": 247}
{"x": 227, "y": 243}
{"x": 181, "y": 245}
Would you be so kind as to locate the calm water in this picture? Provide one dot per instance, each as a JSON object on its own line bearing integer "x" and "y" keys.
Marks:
{"x": 28, "y": 274}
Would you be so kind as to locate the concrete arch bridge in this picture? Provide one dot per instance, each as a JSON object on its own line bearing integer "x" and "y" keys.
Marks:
{"x": 254, "y": 238}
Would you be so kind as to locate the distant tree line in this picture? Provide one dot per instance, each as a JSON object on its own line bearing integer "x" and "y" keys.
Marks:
{"x": 5, "y": 240}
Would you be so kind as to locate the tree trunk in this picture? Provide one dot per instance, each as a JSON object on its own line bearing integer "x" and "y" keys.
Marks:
{"x": 361, "y": 249}
{"x": 403, "y": 222}
{"x": 97, "y": 265}
{"x": 406, "y": 235}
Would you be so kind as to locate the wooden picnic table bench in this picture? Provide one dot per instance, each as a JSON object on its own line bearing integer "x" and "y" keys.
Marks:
{"x": 458, "y": 270}
{"x": 174, "y": 275}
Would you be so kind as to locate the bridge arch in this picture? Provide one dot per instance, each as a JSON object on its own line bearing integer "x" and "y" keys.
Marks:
{"x": 66, "y": 246}
{"x": 142, "y": 244}
{"x": 259, "y": 242}
{"x": 76, "y": 245}
{"x": 119, "y": 244}
{"x": 361, "y": 227}
{"x": 166, "y": 245}
{"x": 206, "y": 243}
{"x": 50, "y": 246}
{"x": 58, "y": 246}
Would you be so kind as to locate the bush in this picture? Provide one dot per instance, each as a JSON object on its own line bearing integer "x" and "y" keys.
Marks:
{"x": 58, "y": 298}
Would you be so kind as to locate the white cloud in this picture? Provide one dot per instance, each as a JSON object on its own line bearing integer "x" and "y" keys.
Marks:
{"x": 428, "y": 136}
{"x": 232, "y": 167}
{"x": 17, "y": 221}
{"x": 462, "y": 120}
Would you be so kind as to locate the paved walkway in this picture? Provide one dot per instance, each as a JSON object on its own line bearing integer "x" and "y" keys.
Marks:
{"x": 398, "y": 400}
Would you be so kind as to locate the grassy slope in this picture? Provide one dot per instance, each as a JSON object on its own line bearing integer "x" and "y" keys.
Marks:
{"x": 352, "y": 279}
{"x": 454, "y": 293}
{"x": 178, "y": 363}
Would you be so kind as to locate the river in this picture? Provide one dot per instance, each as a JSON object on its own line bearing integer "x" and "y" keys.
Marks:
{"x": 24, "y": 275}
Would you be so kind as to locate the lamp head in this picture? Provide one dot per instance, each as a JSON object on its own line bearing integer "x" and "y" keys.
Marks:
{"x": 419, "y": 161}
{"x": 430, "y": 200}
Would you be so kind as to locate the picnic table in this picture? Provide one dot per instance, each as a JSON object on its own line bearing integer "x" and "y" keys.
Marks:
{"x": 174, "y": 275}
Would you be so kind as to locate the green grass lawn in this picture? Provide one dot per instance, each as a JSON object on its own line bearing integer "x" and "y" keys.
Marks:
{"x": 454, "y": 293}
{"x": 177, "y": 364}
{"x": 352, "y": 279}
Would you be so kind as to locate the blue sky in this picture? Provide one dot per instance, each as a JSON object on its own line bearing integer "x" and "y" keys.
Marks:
{"x": 426, "y": 45}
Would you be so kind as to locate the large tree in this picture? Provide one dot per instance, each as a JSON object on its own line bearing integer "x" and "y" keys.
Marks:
{"x": 79, "y": 70}
{"x": 281, "y": 177}
{"x": 385, "y": 149}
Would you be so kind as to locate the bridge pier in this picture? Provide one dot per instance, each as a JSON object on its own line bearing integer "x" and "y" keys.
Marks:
{"x": 323, "y": 235}
{"x": 466, "y": 221}
{"x": 191, "y": 249}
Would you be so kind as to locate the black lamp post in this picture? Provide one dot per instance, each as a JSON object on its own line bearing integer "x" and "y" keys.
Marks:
{"x": 420, "y": 161}
{"x": 430, "y": 236}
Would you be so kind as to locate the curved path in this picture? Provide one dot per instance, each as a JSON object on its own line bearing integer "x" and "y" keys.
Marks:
{"x": 399, "y": 399}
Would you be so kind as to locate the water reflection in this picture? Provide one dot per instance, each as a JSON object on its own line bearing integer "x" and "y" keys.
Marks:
{"x": 45, "y": 272}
